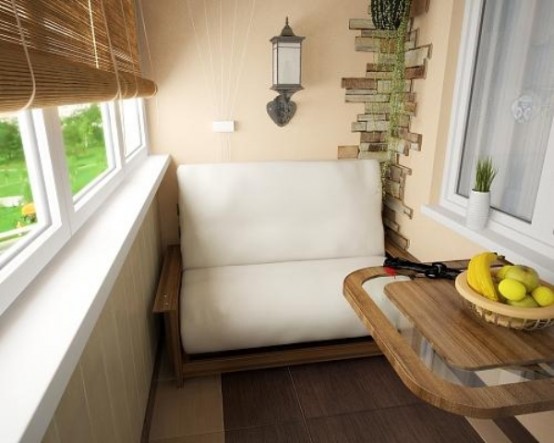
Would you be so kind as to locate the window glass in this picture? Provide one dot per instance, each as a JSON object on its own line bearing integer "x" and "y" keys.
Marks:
{"x": 17, "y": 209}
{"x": 132, "y": 125}
{"x": 84, "y": 142}
{"x": 511, "y": 107}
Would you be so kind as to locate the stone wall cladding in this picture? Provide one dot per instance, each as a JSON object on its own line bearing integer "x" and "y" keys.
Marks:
{"x": 373, "y": 91}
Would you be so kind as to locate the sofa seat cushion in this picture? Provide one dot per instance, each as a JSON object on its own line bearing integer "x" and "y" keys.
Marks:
{"x": 250, "y": 306}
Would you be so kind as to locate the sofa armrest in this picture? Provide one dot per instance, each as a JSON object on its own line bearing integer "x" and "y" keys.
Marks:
{"x": 167, "y": 303}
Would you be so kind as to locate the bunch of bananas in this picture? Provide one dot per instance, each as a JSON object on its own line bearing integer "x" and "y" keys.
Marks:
{"x": 479, "y": 275}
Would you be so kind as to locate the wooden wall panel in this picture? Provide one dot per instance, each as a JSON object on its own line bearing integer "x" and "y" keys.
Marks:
{"x": 105, "y": 400}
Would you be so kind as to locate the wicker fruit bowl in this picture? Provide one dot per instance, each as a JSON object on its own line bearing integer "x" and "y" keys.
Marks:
{"x": 502, "y": 314}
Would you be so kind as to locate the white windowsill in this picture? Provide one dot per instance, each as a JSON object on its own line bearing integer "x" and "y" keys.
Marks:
{"x": 513, "y": 251}
{"x": 44, "y": 332}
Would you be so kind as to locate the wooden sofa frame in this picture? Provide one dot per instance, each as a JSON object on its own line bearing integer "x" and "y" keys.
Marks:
{"x": 184, "y": 365}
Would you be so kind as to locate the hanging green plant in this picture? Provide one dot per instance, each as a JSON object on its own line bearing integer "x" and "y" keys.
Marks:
{"x": 387, "y": 14}
{"x": 397, "y": 91}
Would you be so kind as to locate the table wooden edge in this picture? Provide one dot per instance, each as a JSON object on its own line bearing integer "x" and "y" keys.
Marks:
{"x": 479, "y": 402}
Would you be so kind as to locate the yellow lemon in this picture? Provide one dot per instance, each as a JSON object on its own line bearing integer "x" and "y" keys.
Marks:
{"x": 543, "y": 295}
{"x": 525, "y": 302}
{"x": 512, "y": 289}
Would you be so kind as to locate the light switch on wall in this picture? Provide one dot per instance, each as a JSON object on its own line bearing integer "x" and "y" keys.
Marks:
{"x": 223, "y": 126}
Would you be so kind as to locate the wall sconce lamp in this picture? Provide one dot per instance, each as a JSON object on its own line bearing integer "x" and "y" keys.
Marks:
{"x": 287, "y": 51}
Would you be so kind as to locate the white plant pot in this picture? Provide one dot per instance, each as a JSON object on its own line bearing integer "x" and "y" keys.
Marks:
{"x": 478, "y": 209}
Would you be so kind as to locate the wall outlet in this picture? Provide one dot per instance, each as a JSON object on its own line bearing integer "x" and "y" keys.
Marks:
{"x": 223, "y": 126}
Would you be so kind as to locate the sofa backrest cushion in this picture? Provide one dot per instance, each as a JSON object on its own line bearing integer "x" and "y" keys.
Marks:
{"x": 247, "y": 213}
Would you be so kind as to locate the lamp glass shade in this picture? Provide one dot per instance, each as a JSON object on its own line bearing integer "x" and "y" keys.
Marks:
{"x": 286, "y": 63}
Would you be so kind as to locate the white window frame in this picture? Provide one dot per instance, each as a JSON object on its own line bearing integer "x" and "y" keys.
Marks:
{"x": 518, "y": 239}
{"x": 61, "y": 214}
{"x": 29, "y": 256}
{"x": 140, "y": 151}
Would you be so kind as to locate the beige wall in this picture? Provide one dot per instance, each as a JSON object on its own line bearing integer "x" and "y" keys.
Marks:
{"x": 219, "y": 67}
{"x": 212, "y": 61}
{"x": 105, "y": 399}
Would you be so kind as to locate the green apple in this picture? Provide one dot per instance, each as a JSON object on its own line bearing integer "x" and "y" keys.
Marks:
{"x": 543, "y": 295}
{"x": 526, "y": 302}
{"x": 524, "y": 274}
{"x": 512, "y": 289}
{"x": 501, "y": 273}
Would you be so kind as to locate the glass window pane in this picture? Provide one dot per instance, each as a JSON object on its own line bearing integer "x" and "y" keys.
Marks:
{"x": 511, "y": 107}
{"x": 132, "y": 125}
{"x": 17, "y": 210}
{"x": 85, "y": 146}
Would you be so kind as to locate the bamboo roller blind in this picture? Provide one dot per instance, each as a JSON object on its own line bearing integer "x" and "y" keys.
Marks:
{"x": 78, "y": 51}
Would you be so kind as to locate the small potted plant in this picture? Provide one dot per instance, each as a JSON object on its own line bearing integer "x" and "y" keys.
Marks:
{"x": 387, "y": 14}
{"x": 480, "y": 196}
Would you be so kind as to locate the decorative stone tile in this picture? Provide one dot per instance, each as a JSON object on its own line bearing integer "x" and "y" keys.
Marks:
{"x": 386, "y": 58}
{"x": 373, "y": 147}
{"x": 373, "y": 137}
{"x": 391, "y": 224}
{"x": 399, "y": 145}
{"x": 389, "y": 46}
{"x": 359, "y": 126}
{"x": 377, "y": 33}
{"x": 397, "y": 238}
{"x": 417, "y": 56}
{"x": 404, "y": 121}
{"x": 415, "y": 72}
{"x": 361, "y": 23}
{"x": 379, "y": 75}
{"x": 409, "y": 97}
{"x": 375, "y": 108}
{"x": 348, "y": 151}
{"x": 361, "y": 91}
{"x": 378, "y": 67}
{"x": 410, "y": 107}
{"x": 371, "y": 117}
{"x": 380, "y": 156}
{"x": 358, "y": 83}
{"x": 399, "y": 172}
{"x": 367, "y": 98}
{"x": 393, "y": 188}
{"x": 410, "y": 136}
{"x": 370, "y": 44}
{"x": 397, "y": 205}
{"x": 385, "y": 86}
{"x": 377, "y": 126}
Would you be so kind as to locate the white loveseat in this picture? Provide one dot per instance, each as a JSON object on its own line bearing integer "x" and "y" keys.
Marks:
{"x": 266, "y": 247}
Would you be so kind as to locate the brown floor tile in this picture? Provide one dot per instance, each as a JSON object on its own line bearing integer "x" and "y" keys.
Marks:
{"x": 257, "y": 398}
{"x": 413, "y": 423}
{"x": 291, "y": 432}
{"x": 218, "y": 437}
{"x": 488, "y": 431}
{"x": 341, "y": 387}
{"x": 194, "y": 409}
{"x": 513, "y": 428}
